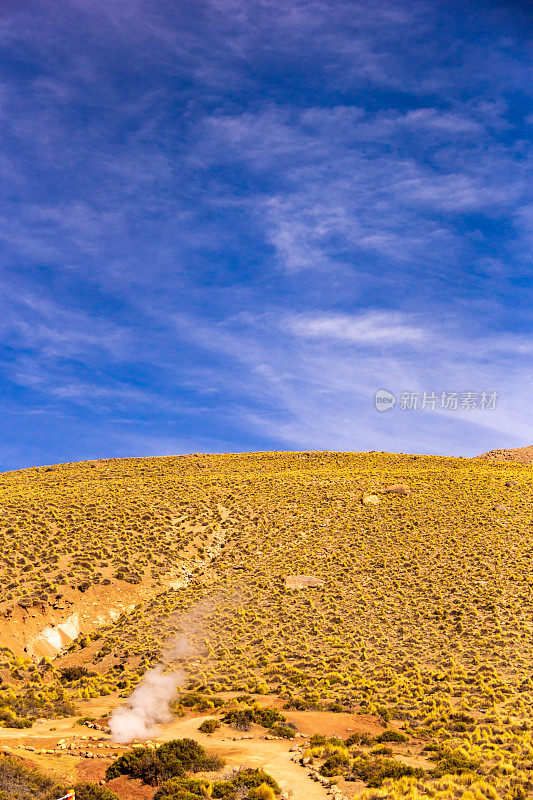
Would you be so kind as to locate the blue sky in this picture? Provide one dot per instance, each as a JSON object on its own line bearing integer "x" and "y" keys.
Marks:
{"x": 226, "y": 223}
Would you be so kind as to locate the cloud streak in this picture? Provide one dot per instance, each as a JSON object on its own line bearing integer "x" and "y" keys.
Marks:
{"x": 370, "y": 328}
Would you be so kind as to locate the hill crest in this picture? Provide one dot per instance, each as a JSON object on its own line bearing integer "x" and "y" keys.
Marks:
{"x": 518, "y": 455}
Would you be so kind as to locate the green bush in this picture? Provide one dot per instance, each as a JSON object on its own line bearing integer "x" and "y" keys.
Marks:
{"x": 454, "y": 762}
{"x": 282, "y": 730}
{"x": 27, "y": 705}
{"x": 187, "y": 789}
{"x": 209, "y": 725}
{"x": 91, "y": 791}
{"x": 335, "y": 741}
{"x": 128, "y": 763}
{"x": 242, "y": 719}
{"x": 335, "y": 764}
{"x": 249, "y": 778}
{"x": 175, "y": 789}
{"x": 172, "y": 759}
{"x": 200, "y": 702}
{"x": 263, "y": 792}
{"x": 373, "y": 771}
{"x": 69, "y": 674}
{"x": 362, "y": 739}
{"x": 391, "y": 735}
{"x": 299, "y": 704}
{"x": 337, "y": 707}
{"x": 267, "y": 717}
{"x": 10, "y": 720}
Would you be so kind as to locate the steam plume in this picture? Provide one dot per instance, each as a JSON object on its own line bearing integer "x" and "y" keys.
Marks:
{"x": 148, "y": 706}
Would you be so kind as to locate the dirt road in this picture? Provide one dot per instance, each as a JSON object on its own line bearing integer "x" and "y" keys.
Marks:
{"x": 273, "y": 756}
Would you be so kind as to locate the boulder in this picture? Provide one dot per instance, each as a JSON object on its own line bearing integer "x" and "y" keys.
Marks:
{"x": 370, "y": 499}
{"x": 303, "y": 582}
{"x": 397, "y": 488}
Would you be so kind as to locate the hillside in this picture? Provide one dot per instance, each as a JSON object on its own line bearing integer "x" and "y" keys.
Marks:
{"x": 415, "y": 609}
{"x": 519, "y": 455}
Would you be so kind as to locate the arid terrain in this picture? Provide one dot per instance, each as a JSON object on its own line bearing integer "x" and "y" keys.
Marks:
{"x": 521, "y": 455}
{"x": 382, "y": 599}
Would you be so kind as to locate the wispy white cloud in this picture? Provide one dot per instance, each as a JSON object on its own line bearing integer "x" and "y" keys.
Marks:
{"x": 339, "y": 189}
{"x": 296, "y": 386}
{"x": 241, "y": 217}
{"x": 370, "y": 328}
{"x": 37, "y": 323}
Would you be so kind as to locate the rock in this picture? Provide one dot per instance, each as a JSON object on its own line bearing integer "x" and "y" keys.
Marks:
{"x": 370, "y": 499}
{"x": 397, "y": 488}
{"x": 303, "y": 582}
{"x": 129, "y": 577}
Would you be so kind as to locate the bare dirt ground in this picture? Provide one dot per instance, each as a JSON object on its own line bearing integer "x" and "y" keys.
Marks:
{"x": 131, "y": 789}
{"x": 332, "y": 724}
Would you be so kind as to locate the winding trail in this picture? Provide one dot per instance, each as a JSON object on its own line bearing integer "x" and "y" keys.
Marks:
{"x": 271, "y": 755}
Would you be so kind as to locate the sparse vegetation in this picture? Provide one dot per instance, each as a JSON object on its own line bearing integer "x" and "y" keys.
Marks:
{"x": 374, "y": 771}
{"x": 246, "y": 784}
{"x": 419, "y": 617}
{"x": 20, "y": 782}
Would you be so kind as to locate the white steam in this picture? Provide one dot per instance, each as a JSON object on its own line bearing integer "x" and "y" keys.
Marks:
{"x": 148, "y": 706}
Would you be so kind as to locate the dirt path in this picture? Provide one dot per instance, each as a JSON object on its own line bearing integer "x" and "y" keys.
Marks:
{"x": 273, "y": 756}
